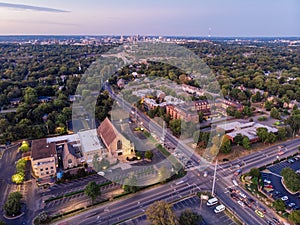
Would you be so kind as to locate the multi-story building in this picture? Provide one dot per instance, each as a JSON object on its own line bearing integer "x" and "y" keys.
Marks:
{"x": 189, "y": 111}
{"x": 182, "y": 113}
{"x": 43, "y": 158}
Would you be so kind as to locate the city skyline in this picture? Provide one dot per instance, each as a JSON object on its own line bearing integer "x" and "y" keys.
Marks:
{"x": 169, "y": 18}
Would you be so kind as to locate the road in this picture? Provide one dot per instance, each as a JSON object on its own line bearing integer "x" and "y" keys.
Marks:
{"x": 136, "y": 204}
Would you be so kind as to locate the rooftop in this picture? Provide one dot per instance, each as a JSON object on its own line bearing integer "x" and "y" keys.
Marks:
{"x": 89, "y": 140}
{"x": 41, "y": 149}
{"x": 107, "y": 132}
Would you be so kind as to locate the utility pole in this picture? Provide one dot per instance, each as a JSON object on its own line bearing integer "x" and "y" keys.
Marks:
{"x": 214, "y": 180}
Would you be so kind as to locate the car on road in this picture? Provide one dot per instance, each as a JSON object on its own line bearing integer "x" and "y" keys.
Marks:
{"x": 285, "y": 198}
{"x": 236, "y": 173}
{"x": 280, "y": 153}
{"x": 270, "y": 222}
{"x": 235, "y": 183}
{"x": 275, "y": 220}
{"x": 259, "y": 213}
{"x": 241, "y": 203}
{"x": 205, "y": 174}
{"x": 242, "y": 195}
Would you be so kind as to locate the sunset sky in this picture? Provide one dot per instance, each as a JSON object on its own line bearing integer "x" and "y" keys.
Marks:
{"x": 155, "y": 17}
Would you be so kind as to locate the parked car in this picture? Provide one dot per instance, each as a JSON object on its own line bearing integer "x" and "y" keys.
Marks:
{"x": 291, "y": 161}
{"x": 291, "y": 205}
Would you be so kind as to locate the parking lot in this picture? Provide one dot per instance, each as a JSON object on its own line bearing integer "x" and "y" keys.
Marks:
{"x": 210, "y": 218}
{"x": 273, "y": 180}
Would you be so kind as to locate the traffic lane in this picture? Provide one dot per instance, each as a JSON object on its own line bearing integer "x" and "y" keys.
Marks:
{"x": 138, "y": 197}
{"x": 289, "y": 145}
{"x": 248, "y": 216}
{"x": 124, "y": 211}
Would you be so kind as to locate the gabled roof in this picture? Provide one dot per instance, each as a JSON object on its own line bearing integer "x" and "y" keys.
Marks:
{"x": 106, "y": 132}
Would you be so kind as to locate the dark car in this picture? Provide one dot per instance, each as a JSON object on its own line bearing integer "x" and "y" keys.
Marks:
{"x": 270, "y": 222}
{"x": 275, "y": 220}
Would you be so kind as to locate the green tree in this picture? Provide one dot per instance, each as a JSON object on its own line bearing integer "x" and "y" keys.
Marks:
{"x": 18, "y": 178}
{"x": 12, "y": 206}
{"x": 92, "y": 190}
{"x": 188, "y": 217}
{"x": 226, "y": 146}
{"x": 2, "y": 222}
{"x": 282, "y": 133}
{"x": 175, "y": 126}
{"x": 149, "y": 155}
{"x": 254, "y": 172}
{"x": 161, "y": 213}
{"x": 268, "y": 105}
{"x": 30, "y": 96}
{"x": 246, "y": 142}
{"x": 238, "y": 139}
{"x": 275, "y": 113}
{"x": 271, "y": 138}
{"x": 24, "y": 147}
{"x": 262, "y": 133}
{"x": 295, "y": 216}
{"x": 291, "y": 179}
{"x": 279, "y": 205}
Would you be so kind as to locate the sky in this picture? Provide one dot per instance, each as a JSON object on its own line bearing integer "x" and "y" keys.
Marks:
{"x": 219, "y": 18}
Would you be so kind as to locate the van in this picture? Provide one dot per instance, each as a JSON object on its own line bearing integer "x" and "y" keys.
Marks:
{"x": 219, "y": 208}
{"x": 212, "y": 201}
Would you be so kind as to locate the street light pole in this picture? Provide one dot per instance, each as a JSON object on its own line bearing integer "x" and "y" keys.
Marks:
{"x": 214, "y": 180}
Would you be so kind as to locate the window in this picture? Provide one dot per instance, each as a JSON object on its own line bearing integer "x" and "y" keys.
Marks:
{"x": 51, "y": 167}
{"x": 41, "y": 169}
{"x": 69, "y": 160}
{"x": 42, "y": 174}
{"x": 52, "y": 171}
{"x": 119, "y": 144}
{"x": 47, "y": 168}
{"x": 47, "y": 172}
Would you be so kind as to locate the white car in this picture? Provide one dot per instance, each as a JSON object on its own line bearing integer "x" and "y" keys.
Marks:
{"x": 101, "y": 173}
{"x": 285, "y": 198}
{"x": 242, "y": 195}
{"x": 241, "y": 203}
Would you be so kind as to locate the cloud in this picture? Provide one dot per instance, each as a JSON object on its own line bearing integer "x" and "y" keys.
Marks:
{"x": 30, "y": 7}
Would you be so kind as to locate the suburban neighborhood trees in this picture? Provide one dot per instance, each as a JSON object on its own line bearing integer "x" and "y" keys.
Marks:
{"x": 295, "y": 216}
{"x": 161, "y": 213}
{"x": 188, "y": 217}
{"x": 291, "y": 179}
{"x": 12, "y": 205}
{"x": 279, "y": 205}
{"x": 92, "y": 190}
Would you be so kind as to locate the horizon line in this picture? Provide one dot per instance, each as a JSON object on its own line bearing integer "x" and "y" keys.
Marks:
{"x": 156, "y": 35}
